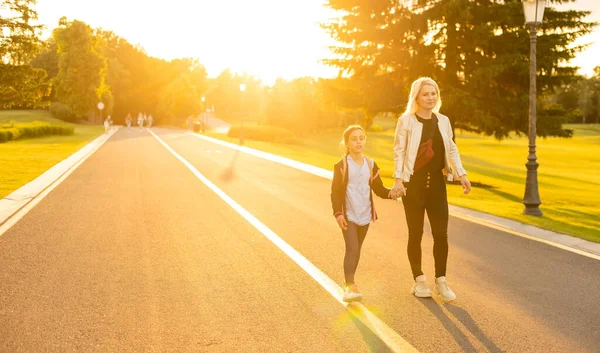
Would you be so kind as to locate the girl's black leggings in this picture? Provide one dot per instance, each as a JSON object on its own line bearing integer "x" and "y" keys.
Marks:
{"x": 354, "y": 237}
{"x": 427, "y": 192}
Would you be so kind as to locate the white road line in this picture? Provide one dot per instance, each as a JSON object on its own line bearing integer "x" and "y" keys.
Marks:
{"x": 329, "y": 175}
{"x": 390, "y": 337}
{"x": 271, "y": 157}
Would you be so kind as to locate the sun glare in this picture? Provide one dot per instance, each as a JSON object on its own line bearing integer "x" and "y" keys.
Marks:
{"x": 264, "y": 38}
{"x": 267, "y": 38}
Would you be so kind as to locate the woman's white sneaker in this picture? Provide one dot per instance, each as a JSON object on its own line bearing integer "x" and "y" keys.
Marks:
{"x": 420, "y": 289}
{"x": 441, "y": 288}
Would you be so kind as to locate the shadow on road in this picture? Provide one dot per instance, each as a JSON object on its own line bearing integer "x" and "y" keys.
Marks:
{"x": 465, "y": 318}
{"x": 454, "y": 330}
{"x": 229, "y": 172}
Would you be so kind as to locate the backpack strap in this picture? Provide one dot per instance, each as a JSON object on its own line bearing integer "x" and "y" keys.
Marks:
{"x": 344, "y": 168}
{"x": 371, "y": 164}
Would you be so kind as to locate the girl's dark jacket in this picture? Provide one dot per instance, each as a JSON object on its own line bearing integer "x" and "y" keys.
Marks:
{"x": 340, "y": 184}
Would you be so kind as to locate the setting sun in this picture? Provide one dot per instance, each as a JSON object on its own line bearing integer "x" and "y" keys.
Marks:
{"x": 267, "y": 38}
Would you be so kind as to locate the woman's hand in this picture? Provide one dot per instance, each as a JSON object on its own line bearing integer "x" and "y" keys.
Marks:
{"x": 466, "y": 184}
{"x": 398, "y": 190}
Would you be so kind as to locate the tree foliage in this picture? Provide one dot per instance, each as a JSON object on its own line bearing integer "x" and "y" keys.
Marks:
{"x": 21, "y": 85}
{"x": 19, "y": 37}
{"x": 24, "y": 87}
{"x": 477, "y": 50}
{"x": 80, "y": 82}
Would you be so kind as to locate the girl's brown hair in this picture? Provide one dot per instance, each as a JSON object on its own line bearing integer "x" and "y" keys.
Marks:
{"x": 346, "y": 135}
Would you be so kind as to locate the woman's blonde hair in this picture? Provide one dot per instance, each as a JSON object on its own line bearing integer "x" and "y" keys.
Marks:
{"x": 412, "y": 106}
{"x": 346, "y": 136}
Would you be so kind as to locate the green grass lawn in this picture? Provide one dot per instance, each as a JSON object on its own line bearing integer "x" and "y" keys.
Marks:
{"x": 568, "y": 183}
{"x": 23, "y": 160}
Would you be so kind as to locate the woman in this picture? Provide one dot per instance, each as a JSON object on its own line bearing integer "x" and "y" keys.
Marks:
{"x": 424, "y": 151}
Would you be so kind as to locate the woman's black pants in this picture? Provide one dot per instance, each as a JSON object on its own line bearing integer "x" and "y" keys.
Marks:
{"x": 427, "y": 192}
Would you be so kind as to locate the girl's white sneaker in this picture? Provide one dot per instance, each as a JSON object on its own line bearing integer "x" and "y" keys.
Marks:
{"x": 351, "y": 293}
{"x": 420, "y": 289}
{"x": 441, "y": 288}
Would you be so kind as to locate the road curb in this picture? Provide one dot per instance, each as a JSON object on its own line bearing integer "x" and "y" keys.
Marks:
{"x": 563, "y": 241}
{"x": 19, "y": 198}
{"x": 579, "y": 245}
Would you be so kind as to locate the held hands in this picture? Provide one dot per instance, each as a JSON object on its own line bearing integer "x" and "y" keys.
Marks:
{"x": 342, "y": 222}
{"x": 466, "y": 184}
{"x": 398, "y": 190}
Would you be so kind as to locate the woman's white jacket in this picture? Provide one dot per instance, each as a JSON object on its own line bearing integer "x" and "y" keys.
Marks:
{"x": 406, "y": 144}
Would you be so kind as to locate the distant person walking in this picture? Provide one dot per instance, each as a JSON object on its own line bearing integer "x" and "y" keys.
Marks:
{"x": 128, "y": 121}
{"x": 354, "y": 177}
{"x": 424, "y": 151}
{"x": 107, "y": 123}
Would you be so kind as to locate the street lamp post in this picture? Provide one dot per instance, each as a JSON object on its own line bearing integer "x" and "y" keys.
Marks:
{"x": 534, "y": 13}
{"x": 100, "y": 108}
{"x": 242, "y": 89}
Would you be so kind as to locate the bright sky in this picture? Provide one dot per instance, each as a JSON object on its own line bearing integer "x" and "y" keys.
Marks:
{"x": 589, "y": 58}
{"x": 264, "y": 38}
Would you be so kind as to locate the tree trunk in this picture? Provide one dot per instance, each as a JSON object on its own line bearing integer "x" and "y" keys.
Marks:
{"x": 597, "y": 108}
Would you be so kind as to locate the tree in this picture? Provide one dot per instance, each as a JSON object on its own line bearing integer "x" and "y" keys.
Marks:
{"x": 378, "y": 53}
{"x": 223, "y": 93}
{"x": 593, "y": 105}
{"x": 177, "y": 101}
{"x": 21, "y": 85}
{"x": 47, "y": 59}
{"x": 80, "y": 82}
{"x": 294, "y": 105}
{"x": 19, "y": 38}
{"x": 477, "y": 50}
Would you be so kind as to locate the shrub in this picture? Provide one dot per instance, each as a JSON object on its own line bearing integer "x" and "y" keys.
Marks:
{"x": 11, "y": 132}
{"x": 376, "y": 128}
{"x": 4, "y": 136}
{"x": 62, "y": 111}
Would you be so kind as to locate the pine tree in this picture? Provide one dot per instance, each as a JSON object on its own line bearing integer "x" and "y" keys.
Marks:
{"x": 477, "y": 51}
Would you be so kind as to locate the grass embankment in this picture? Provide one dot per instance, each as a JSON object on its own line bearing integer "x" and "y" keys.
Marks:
{"x": 23, "y": 160}
{"x": 568, "y": 183}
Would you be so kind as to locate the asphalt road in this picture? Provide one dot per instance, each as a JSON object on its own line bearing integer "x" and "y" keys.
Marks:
{"x": 133, "y": 253}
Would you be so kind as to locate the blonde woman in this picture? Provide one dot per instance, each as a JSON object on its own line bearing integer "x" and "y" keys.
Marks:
{"x": 424, "y": 152}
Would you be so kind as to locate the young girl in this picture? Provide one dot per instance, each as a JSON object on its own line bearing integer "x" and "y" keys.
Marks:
{"x": 353, "y": 179}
